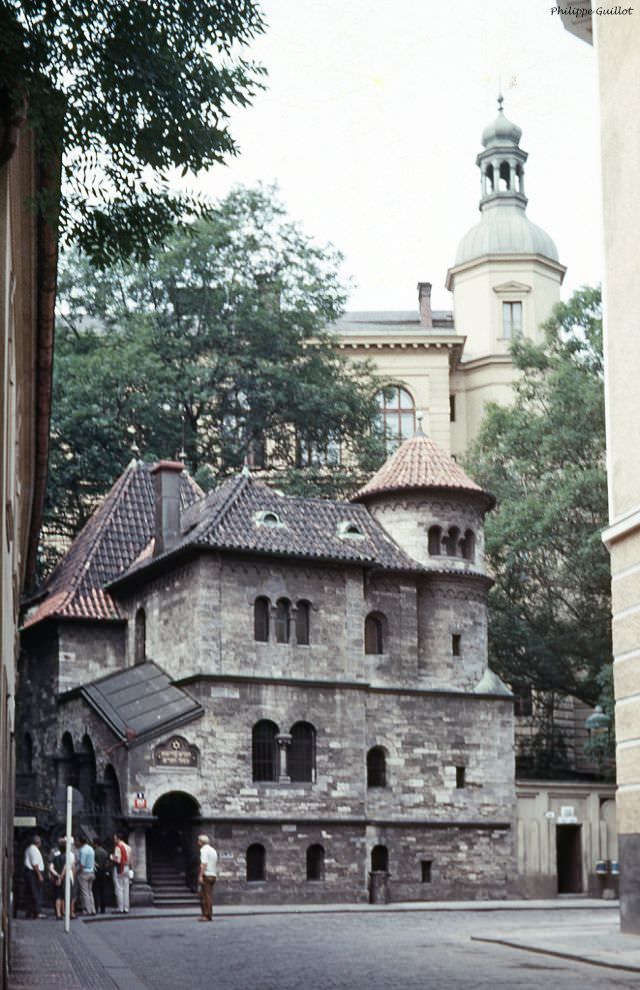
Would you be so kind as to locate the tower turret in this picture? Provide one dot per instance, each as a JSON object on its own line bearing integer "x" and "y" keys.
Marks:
{"x": 435, "y": 512}
{"x": 505, "y": 280}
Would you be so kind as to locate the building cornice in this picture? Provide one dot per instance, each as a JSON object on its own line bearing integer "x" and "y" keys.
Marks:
{"x": 622, "y": 527}
{"x": 510, "y": 258}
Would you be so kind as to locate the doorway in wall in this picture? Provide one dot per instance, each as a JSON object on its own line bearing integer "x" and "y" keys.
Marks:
{"x": 569, "y": 858}
{"x": 172, "y": 841}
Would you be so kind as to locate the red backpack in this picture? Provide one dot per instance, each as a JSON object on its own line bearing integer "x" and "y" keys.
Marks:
{"x": 124, "y": 859}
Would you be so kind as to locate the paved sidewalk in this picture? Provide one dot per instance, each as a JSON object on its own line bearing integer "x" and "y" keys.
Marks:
{"x": 46, "y": 958}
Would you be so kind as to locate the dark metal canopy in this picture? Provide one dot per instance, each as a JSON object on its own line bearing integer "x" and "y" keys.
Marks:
{"x": 140, "y": 702}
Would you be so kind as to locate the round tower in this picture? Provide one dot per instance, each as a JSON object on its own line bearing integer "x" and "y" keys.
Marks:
{"x": 505, "y": 280}
{"x": 435, "y": 512}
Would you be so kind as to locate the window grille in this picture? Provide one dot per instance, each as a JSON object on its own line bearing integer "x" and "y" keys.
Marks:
{"x": 373, "y": 634}
{"x": 511, "y": 320}
{"x": 302, "y": 752}
{"x": 265, "y": 750}
{"x": 283, "y": 620}
{"x": 303, "y": 610}
{"x": 261, "y": 620}
{"x": 376, "y": 767}
{"x": 140, "y": 636}
{"x": 396, "y": 416}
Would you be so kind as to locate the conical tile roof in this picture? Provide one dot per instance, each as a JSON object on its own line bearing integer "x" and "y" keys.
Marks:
{"x": 419, "y": 463}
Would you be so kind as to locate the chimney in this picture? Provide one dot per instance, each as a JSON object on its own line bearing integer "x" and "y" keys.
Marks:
{"x": 424, "y": 302}
{"x": 167, "y": 504}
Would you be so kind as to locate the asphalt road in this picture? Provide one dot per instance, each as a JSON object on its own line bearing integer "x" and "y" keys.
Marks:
{"x": 400, "y": 951}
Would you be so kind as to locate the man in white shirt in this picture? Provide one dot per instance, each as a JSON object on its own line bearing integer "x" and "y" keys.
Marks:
{"x": 207, "y": 876}
{"x": 34, "y": 876}
{"x": 121, "y": 858}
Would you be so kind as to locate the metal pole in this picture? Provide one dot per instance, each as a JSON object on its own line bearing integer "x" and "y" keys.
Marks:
{"x": 67, "y": 873}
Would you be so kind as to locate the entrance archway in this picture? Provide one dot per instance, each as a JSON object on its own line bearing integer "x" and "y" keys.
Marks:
{"x": 172, "y": 840}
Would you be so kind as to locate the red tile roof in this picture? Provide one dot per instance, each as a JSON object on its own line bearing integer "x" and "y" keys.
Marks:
{"x": 418, "y": 463}
{"x": 114, "y": 537}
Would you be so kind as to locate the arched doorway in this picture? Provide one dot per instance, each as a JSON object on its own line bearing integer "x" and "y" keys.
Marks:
{"x": 172, "y": 841}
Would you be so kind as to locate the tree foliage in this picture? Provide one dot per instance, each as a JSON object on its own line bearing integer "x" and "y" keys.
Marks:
{"x": 133, "y": 92}
{"x": 544, "y": 459}
{"x": 219, "y": 345}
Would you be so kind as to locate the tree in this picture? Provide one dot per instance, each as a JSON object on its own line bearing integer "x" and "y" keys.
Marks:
{"x": 217, "y": 347}
{"x": 132, "y": 92}
{"x": 544, "y": 459}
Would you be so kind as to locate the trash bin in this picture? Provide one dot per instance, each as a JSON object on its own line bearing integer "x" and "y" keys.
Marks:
{"x": 379, "y": 887}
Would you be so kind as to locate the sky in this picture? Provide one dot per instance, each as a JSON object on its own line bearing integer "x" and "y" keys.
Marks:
{"x": 371, "y": 123}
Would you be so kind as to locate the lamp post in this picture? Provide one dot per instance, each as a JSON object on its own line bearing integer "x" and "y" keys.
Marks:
{"x": 597, "y": 726}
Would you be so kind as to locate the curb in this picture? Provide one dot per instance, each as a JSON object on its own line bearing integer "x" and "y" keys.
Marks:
{"x": 483, "y": 907}
{"x": 556, "y": 953}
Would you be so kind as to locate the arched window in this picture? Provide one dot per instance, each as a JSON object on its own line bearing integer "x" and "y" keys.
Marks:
{"x": 435, "y": 541}
{"x": 261, "y": 620}
{"x": 505, "y": 176}
{"x": 374, "y": 633}
{"x": 302, "y": 753}
{"x": 283, "y": 620}
{"x": 376, "y": 767}
{"x": 140, "y": 636}
{"x": 452, "y": 541}
{"x": 379, "y": 859}
{"x": 256, "y": 863}
{"x": 469, "y": 545}
{"x": 489, "y": 174}
{"x": 397, "y": 416}
{"x": 315, "y": 862}
{"x": 264, "y": 750}
{"x": 68, "y": 764}
{"x": 303, "y": 610}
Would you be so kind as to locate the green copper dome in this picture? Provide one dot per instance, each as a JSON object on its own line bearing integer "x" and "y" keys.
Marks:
{"x": 504, "y": 227}
{"x": 501, "y": 131}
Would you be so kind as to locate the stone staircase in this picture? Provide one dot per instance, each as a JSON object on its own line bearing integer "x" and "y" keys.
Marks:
{"x": 170, "y": 886}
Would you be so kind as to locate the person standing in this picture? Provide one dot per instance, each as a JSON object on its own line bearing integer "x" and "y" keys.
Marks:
{"x": 207, "y": 876}
{"x": 34, "y": 876}
{"x": 86, "y": 876}
{"x": 57, "y": 867}
{"x": 102, "y": 875}
{"x": 120, "y": 857}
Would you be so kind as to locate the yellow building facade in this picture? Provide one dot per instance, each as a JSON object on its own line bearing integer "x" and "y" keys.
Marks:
{"x": 504, "y": 282}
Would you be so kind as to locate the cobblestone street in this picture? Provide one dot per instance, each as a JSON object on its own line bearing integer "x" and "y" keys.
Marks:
{"x": 332, "y": 951}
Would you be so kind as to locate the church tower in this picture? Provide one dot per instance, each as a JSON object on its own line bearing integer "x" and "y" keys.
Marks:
{"x": 505, "y": 280}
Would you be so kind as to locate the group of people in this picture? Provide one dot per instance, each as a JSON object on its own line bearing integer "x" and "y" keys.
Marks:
{"x": 91, "y": 869}
{"x": 91, "y": 866}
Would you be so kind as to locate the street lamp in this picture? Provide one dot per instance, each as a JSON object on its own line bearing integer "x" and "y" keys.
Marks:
{"x": 597, "y": 726}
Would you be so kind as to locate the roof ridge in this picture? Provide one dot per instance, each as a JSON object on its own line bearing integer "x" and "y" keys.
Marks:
{"x": 112, "y": 500}
{"x": 240, "y": 481}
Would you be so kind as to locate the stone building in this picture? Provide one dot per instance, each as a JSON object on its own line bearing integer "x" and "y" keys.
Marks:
{"x": 306, "y": 680}
{"x": 27, "y": 296}
{"x": 445, "y": 365}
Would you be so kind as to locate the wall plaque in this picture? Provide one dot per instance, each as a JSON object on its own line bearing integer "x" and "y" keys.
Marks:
{"x": 176, "y": 752}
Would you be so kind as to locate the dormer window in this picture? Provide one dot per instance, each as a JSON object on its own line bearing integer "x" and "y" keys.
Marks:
{"x": 350, "y": 531}
{"x": 268, "y": 518}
